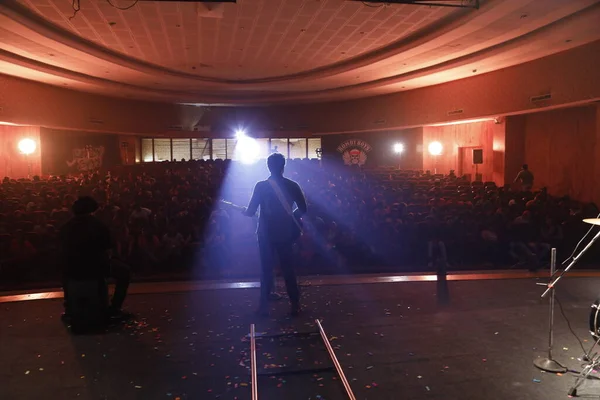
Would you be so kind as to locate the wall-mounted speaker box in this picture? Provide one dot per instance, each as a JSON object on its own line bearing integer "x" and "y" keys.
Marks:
{"x": 477, "y": 156}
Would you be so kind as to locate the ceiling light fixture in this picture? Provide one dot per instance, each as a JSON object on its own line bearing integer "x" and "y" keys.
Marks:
{"x": 429, "y": 3}
{"x": 464, "y": 121}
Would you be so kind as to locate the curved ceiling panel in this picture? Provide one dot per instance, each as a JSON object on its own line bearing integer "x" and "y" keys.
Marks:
{"x": 270, "y": 51}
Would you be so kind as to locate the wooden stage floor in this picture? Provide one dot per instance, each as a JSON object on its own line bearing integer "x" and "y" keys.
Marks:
{"x": 393, "y": 339}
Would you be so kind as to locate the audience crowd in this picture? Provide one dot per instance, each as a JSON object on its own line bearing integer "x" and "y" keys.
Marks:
{"x": 166, "y": 218}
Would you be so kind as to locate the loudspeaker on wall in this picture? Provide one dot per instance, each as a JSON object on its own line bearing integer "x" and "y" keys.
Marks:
{"x": 477, "y": 156}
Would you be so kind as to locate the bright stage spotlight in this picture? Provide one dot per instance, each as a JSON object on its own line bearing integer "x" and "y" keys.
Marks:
{"x": 398, "y": 148}
{"x": 240, "y": 133}
{"x": 247, "y": 149}
{"x": 27, "y": 146}
{"x": 435, "y": 148}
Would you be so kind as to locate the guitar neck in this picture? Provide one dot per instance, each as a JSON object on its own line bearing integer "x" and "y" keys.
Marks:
{"x": 232, "y": 205}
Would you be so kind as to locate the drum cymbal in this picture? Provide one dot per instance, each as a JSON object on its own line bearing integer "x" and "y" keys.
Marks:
{"x": 593, "y": 221}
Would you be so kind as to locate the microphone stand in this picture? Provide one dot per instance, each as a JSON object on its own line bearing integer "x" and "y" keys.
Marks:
{"x": 553, "y": 283}
{"x": 549, "y": 364}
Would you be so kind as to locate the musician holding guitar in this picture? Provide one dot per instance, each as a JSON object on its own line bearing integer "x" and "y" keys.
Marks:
{"x": 278, "y": 228}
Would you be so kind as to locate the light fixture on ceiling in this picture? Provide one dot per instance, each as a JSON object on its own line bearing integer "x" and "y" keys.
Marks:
{"x": 465, "y": 121}
{"x": 429, "y": 3}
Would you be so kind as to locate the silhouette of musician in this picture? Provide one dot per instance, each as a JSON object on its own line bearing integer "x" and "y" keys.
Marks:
{"x": 278, "y": 228}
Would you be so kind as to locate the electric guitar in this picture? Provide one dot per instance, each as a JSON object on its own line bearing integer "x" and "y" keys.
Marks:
{"x": 296, "y": 227}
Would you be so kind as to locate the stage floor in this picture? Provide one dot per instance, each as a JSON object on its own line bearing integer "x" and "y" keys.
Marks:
{"x": 393, "y": 340}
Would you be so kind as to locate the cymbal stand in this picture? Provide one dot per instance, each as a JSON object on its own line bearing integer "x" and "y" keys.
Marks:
{"x": 592, "y": 363}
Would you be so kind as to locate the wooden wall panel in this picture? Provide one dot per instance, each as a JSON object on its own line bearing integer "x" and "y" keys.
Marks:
{"x": 560, "y": 148}
{"x": 12, "y": 163}
{"x": 514, "y": 146}
{"x": 596, "y": 171}
{"x": 453, "y": 137}
{"x": 499, "y": 152}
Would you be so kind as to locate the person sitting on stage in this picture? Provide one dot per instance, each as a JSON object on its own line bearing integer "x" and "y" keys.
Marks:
{"x": 86, "y": 244}
{"x": 278, "y": 229}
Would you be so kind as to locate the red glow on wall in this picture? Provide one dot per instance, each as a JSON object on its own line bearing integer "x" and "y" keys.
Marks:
{"x": 13, "y": 163}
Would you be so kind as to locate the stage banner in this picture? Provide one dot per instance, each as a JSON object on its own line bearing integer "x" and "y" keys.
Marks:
{"x": 71, "y": 152}
{"x": 375, "y": 149}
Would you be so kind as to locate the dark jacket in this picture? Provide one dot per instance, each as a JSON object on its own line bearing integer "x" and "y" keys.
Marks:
{"x": 274, "y": 221}
{"x": 85, "y": 242}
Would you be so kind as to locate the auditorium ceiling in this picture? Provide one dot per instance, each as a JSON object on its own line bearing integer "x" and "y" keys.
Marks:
{"x": 277, "y": 51}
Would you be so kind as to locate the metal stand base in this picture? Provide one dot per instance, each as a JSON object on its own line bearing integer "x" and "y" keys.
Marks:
{"x": 592, "y": 363}
{"x": 548, "y": 365}
{"x": 583, "y": 375}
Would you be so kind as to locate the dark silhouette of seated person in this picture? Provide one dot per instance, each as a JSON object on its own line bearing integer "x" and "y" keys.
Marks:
{"x": 85, "y": 245}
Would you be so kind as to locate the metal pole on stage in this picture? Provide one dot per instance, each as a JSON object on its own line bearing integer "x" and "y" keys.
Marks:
{"x": 336, "y": 363}
{"x": 253, "y": 372}
{"x": 548, "y": 364}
